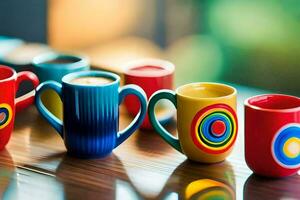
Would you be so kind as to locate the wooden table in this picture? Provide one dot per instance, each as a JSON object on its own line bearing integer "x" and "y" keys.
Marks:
{"x": 35, "y": 166}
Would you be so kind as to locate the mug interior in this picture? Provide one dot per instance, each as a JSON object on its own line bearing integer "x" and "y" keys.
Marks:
{"x": 274, "y": 101}
{"x": 62, "y": 60}
{"x": 205, "y": 90}
{"x": 149, "y": 68}
{"x": 58, "y": 60}
{"x": 70, "y": 78}
{"x": 6, "y": 73}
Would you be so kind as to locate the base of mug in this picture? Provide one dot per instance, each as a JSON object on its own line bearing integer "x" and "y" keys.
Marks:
{"x": 205, "y": 163}
{"x": 87, "y": 156}
{"x": 272, "y": 176}
{"x": 270, "y": 172}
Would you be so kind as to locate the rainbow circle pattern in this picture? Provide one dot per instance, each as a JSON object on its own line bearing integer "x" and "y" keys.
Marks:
{"x": 5, "y": 115}
{"x": 208, "y": 189}
{"x": 286, "y": 146}
{"x": 214, "y": 128}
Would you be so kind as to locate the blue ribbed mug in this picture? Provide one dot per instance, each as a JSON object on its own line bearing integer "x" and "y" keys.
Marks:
{"x": 91, "y": 113}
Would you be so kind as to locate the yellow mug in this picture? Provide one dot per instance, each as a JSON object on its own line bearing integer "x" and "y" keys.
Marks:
{"x": 206, "y": 120}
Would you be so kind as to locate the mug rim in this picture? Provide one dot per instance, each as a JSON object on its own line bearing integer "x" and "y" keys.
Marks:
{"x": 232, "y": 94}
{"x": 67, "y": 78}
{"x": 12, "y": 77}
{"x": 256, "y": 107}
{"x": 39, "y": 61}
{"x": 167, "y": 67}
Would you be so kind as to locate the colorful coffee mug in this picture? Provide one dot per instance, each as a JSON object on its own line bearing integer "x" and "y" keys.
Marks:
{"x": 91, "y": 113}
{"x": 9, "y": 104}
{"x": 151, "y": 75}
{"x": 206, "y": 120}
{"x": 47, "y": 69}
{"x": 272, "y": 134}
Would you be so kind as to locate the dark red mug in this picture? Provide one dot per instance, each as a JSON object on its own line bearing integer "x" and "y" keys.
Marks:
{"x": 9, "y": 83}
{"x": 272, "y": 134}
{"x": 151, "y": 75}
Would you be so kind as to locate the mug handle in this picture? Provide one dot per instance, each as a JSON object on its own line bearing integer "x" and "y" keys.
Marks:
{"x": 48, "y": 116}
{"x": 138, "y": 120}
{"x": 27, "y": 99}
{"x": 171, "y": 96}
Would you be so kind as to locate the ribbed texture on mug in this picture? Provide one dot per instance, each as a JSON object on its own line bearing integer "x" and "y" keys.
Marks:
{"x": 90, "y": 119}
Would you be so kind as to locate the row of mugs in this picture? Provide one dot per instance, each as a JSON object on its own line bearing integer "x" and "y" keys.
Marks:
{"x": 150, "y": 74}
{"x": 207, "y": 127}
{"x": 206, "y": 116}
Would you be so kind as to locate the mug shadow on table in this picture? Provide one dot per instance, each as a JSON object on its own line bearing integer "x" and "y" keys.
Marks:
{"x": 192, "y": 180}
{"x": 261, "y": 188}
{"x": 68, "y": 177}
{"x": 111, "y": 178}
{"x": 87, "y": 179}
{"x": 189, "y": 180}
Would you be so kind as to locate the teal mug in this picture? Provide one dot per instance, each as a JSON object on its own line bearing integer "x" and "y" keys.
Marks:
{"x": 53, "y": 66}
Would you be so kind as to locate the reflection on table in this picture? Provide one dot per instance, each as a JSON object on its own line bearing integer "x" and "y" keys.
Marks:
{"x": 257, "y": 188}
{"x": 35, "y": 166}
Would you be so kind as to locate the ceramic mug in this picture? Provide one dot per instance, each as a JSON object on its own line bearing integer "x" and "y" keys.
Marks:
{"x": 9, "y": 104}
{"x": 272, "y": 134}
{"x": 91, "y": 113}
{"x": 151, "y": 75}
{"x": 206, "y": 120}
{"x": 53, "y": 66}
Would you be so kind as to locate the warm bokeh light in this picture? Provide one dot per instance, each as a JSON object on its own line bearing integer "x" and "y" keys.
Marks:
{"x": 248, "y": 42}
{"x": 77, "y": 23}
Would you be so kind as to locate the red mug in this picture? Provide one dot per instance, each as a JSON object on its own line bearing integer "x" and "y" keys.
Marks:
{"x": 9, "y": 83}
{"x": 272, "y": 134}
{"x": 151, "y": 75}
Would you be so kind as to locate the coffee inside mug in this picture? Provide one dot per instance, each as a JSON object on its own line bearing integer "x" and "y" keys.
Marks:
{"x": 277, "y": 102}
{"x": 62, "y": 60}
{"x": 57, "y": 61}
{"x": 205, "y": 90}
{"x": 89, "y": 79}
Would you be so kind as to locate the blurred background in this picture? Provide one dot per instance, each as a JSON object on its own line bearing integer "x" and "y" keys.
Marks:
{"x": 249, "y": 42}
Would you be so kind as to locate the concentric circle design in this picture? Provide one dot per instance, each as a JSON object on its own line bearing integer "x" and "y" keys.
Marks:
{"x": 208, "y": 189}
{"x": 5, "y": 115}
{"x": 286, "y": 146}
{"x": 214, "y": 128}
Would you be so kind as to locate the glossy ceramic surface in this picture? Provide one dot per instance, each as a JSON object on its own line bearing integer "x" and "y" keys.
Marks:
{"x": 272, "y": 134}
{"x": 35, "y": 165}
{"x": 91, "y": 113}
{"x": 151, "y": 75}
{"x": 56, "y": 71}
{"x": 206, "y": 120}
{"x": 9, "y": 104}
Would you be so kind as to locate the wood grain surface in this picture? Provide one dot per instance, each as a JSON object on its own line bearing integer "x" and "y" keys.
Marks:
{"x": 35, "y": 165}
